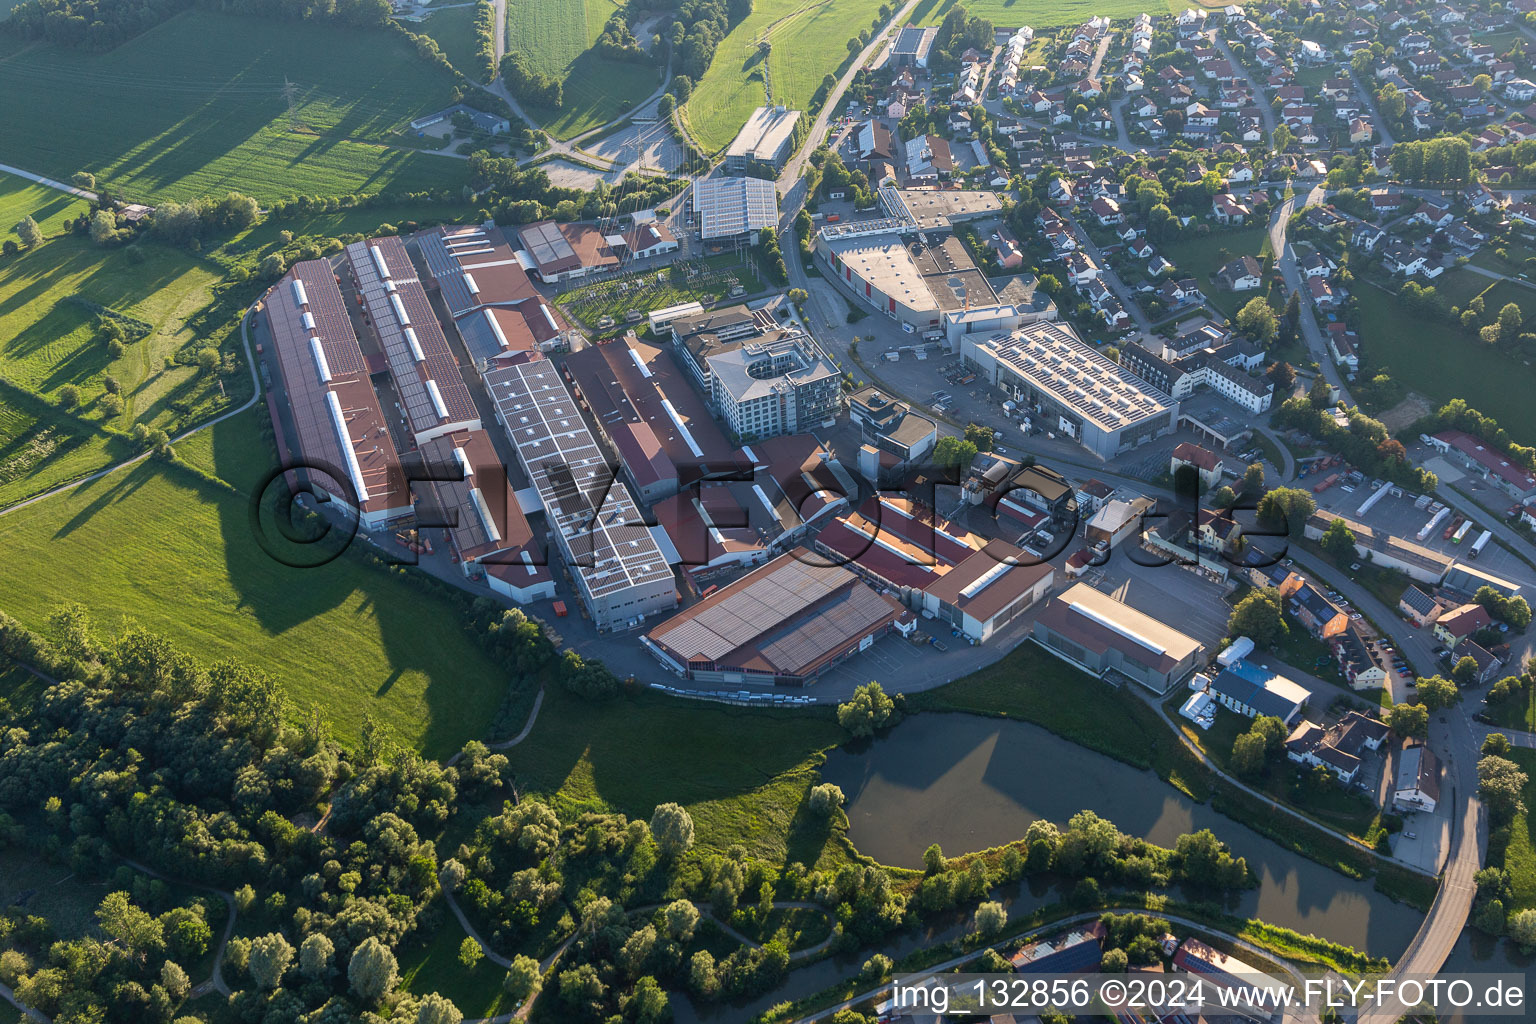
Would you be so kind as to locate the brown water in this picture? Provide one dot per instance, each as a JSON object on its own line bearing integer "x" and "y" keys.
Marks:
{"x": 968, "y": 783}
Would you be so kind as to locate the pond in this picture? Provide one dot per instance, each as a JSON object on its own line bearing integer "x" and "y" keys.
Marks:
{"x": 967, "y": 783}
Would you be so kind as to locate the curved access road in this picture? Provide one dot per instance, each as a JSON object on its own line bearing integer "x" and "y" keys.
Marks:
{"x": 789, "y": 177}
{"x": 81, "y": 193}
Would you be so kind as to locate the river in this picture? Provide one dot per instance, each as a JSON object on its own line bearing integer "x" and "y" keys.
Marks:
{"x": 969, "y": 782}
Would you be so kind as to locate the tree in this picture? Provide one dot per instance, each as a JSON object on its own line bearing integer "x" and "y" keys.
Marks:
{"x": 1411, "y": 720}
{"x": 868, "y": 712}
{"x": 953, "y": 451}
{"x": 1253, "y": 479}
{"x": 825, "y": 799}
{"x": 1522, "y": 930}
{"x": 372, "y": 971}
{"x": 1288, "y": 509}
{"x": 1257, "y": 320}
{"x": 470, "y": 952}
{"x": 1496, "y": 743}
{"x": 1338, "y": 541}
{"x": 1223, "y": 497}
{"x": 933, "y": 860}
{"x": 646, "y": 1003}
{"x": 681, "y": 917}
{"x": 1464, "y": 673}
{"x": 30, "y": 234}
{"x": 437, "y": 1009}
{"x": 1500, "y": 783}
{"x": 110, "y": 406}
{"x": 1249, "y": 757}
{"x": 130, "y": 927}
{"x": 103, "y": 227}
{"x": 273, "y": 266}
{"x": 270, "y": 958}
{"x": 69, "y": 396}
{"x": 990, "y": 918}
{"x": 1319, "y": 394}
{"x": 1258, "y": 616}
{"x": 523, "y": 978}
{"x": 1281, "y": 140}
{"x": 1436, "y": 692}
{"x": 1114, "y": 962}
{"x": 798, "y": 296}
{"x": 672, "y": 827}
{"x": 981, "y": 437}
{"x": 315, "y": 954}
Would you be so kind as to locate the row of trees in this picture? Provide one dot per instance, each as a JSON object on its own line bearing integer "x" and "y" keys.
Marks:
{"x": 103, "y": 24}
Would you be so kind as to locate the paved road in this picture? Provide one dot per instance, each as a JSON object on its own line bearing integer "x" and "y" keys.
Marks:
{"x": 789, "y": 179}
{"x": 1260, "y": 97}
{"x": 1098, "y": 55}
{"x": 50, "y": 182}
{"x": 1286, "y": 259}
{"x": 1383, "y": 135}
{"x": 1124, "y": 294}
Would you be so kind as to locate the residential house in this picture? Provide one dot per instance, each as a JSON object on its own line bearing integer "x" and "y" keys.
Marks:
{"x": 1242, "y": 275}
{"x": 1458, "y": 624}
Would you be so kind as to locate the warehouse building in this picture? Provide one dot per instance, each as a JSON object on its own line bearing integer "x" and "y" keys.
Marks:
{"x": 425, "y": 373}
{"x": 340, "y": 445}
{"x": 493, "y": 304}
{"x": 565, "y": 252}
{"x": 1253, "y": 690}
{"x": 472, "y": 497}
{"x": 911, "y": 46}
{"x": 1386, "y": 550}
{"x": 734, "y": 209}
{"x": 1070, "y": 388}
{"x": 766, "y": 138}
{"x": 615, "y": 563}
{"x": 647, "y": 412}
{"x": 913, "y": 280}
{"x": 1106, "y": 637}
{"x": 947, "y": 573}
{"x": 784, "y": 624}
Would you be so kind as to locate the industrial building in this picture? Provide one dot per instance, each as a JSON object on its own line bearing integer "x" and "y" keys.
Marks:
{"x": 649, "y": 414}
{"x": 490, "y": 299}
{"x": 766, "y": 138}
{"x": 911, "y": 46}
{"x": 1253, "y": 690}
{"x": 471, "y": 496}
{"x": 1493, "y": 466}
{"x": 947, "y": 573}
{"x": 424, "y": 372}
{"x": 1070, "y": 388}
{"x": 1106, "y": 637}
{"x": 618, "y": 569}
{"x": 734, "y": 209}
{"x": 564, "y": 252}
{"x": 1386, "y": 550}
{"x": 906, "y": 264}
{"x": 896, "y": 438}
{"x": 784, "y": 623}
{"x": 340, "y": 445}
{"x": 763, "y": 380}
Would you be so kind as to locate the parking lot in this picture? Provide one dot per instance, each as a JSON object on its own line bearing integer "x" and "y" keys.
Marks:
{"x": 1399, "y": 517}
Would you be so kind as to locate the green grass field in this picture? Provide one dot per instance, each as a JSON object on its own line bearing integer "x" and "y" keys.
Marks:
{"x": 453, "y": 30}
{"x": 49, "y": 207}
{"x": 433, "y": 966}
{"x": 1444, "y": 363}
{"x": 742, "y": 774}
{"x": 556, "y": 35}
{"x": 1046, "y": 13}
{"x": 195, "y": 107}
{"x": 809, "y": 38}
{"x": 155, "y": 544}
{"x": 48, "y": 340}
{"x": 1201, "y": 257}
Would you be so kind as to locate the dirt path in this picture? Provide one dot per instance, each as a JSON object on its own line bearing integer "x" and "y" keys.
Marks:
{"x": 533, "y": 716}
{"x": 256, "y": 395}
